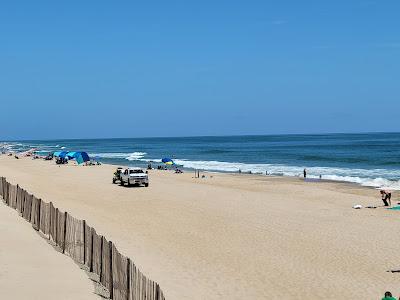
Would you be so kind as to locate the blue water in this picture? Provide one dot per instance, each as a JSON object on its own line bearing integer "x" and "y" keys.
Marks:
{"x": 367, "y": 159}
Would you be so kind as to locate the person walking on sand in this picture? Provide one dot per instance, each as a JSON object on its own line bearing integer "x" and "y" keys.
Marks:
{"x": 388, "y": 296}
{"x": 386, "y": 198}
{"x": 305, "y": 173}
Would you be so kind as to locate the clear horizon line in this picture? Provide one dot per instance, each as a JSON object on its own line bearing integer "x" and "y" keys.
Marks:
{"x": 206, "y": 136}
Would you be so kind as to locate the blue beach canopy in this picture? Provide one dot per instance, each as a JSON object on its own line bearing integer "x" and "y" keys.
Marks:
{"x": 81, "y": 157}
{"x": 71, "y": 154}
{"x": 61, "y": 154}
{"x": 167, "y": 161}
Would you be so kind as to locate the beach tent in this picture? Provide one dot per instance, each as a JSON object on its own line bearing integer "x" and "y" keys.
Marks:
{"x": 60, "y": 154}
{"x": 70, "y": 155}
{"x": 167, "y": 161}
{"x": 81, "y": 157}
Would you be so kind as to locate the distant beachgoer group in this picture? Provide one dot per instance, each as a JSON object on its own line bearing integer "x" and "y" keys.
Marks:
{"x": 61, "y": 160}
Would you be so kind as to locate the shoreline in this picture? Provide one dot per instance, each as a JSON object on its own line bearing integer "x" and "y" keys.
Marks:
{"x": 261, "y": 175}
{"x": 366, "y": 174}
{"x": 294, "y": 179}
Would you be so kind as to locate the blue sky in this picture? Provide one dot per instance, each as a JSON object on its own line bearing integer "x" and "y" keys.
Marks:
{"x": 79, "y": 69}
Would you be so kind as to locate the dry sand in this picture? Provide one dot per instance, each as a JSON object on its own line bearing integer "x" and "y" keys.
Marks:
{"x": 232, "y": 236}
{"x": 30, "y": 269}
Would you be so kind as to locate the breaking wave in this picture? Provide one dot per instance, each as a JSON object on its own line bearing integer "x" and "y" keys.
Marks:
{"x": 127, "y": 156}
{"x": 373, "y": 178}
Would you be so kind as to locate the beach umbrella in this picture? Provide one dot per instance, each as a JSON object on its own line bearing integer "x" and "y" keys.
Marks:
{"x": 167, "y": 161}
{"x": 81, "y": 157}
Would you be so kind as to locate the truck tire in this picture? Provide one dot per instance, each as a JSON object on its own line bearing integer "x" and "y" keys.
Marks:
{"x": 122, "y": 182}
{"x": 129, "y": 182}
{"x": 146, "y": 184}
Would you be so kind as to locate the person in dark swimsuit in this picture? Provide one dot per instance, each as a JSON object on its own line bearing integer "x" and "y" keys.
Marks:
{"x": 386, "y": 198}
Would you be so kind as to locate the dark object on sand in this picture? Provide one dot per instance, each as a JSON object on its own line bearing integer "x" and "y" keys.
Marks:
{"x": 386, "y": 196}
{"x": 49, "y": 157}
{"x": 117, "y": 175}
{"x": 388, "y": 296}
{"x": 61, "y": 161}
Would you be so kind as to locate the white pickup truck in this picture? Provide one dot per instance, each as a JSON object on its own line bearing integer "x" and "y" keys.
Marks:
{"x": 131, "y": 176}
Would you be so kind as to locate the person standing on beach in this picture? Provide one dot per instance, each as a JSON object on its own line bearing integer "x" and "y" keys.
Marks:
{"x": 386, "y": 198}
{"x": 305, "y": 173}
{"x": 388, "y": 296}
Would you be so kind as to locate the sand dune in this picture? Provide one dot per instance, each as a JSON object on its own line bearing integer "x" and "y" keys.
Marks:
{"x": 232, "y": 236}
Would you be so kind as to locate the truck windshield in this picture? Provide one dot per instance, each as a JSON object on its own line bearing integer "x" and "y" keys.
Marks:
{"x": 135, "y": 171}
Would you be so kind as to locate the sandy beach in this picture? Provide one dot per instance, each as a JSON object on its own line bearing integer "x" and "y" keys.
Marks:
{"x": 32, "y": 269}
{"x": 228, "y": 236}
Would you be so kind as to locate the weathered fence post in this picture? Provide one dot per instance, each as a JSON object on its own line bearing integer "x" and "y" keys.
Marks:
{"x": 157, "y": 291}
{"x": 128, "y": 278}
{"x": 65, "y": 230}
{"x": 50, "y": 206}
{"x": 101, "y": 259}
{"x": 16, "y": 206}
{"x": 91, "y": 252}
{"x": 84, "y": 241}
{"x": 110, "y": 245}
{"x": 39, "y": 210}
{"x": 23, "y": 202}
{"x": 55, "y": 236}
{"x": 30, "y": 211}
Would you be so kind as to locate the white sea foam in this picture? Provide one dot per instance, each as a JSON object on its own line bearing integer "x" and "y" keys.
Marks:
{"x": 128, "y": 156}
{"x": 365, "y": 177}
{"x": 136, "y": 155}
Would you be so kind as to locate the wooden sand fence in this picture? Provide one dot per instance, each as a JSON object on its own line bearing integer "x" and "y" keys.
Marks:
{"x": 75, "y": 238}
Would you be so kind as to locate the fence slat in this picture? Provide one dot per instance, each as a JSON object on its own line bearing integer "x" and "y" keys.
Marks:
{"x": 74, "y": 239}
{"x": 1, "y": 187}
{"x": 44, "y": 217}
{"x": 20, "y": 199}
{"x": 60, "y": 229}
{"x": 120, "y": 276}
{"x": 105, "y": 278}
{"x": 26, "y": 214}
{"x": 88, "y": 246}
{"x": 97, "y": 253}
{"x": 35, "y": 214}
{"x": 13, "y": 200}
{"x": 53, "y": 222}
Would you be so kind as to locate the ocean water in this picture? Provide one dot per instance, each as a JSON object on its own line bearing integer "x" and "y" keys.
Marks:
{"x": 366, "y": 159}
